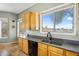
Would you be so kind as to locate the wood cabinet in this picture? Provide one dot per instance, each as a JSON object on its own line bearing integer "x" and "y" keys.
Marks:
{"x": 69, "y": 53}
{"x": 35, "y": 21}
{"x": 27, "y": 17}
{"x": 42, "y": 52}
{"x": 54, "y": 51}
{"x": 25, "y": 46}
{"x": 20, "y": 42}
{"x": 42, "y": 49}
{"x": 30, "y": 20}
{"x": 51, "y": 53}
{"x": 45, "y": 50}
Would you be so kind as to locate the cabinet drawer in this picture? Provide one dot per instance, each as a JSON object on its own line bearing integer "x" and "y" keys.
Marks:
{"x": 42, "y": 45}
{"x": 69, "y": 53}
{"x": 56, "y": 50}
{"x": 51, "y": 53}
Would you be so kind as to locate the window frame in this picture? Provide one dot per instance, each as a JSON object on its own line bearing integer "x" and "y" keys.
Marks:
{"x": 60, "y": 8}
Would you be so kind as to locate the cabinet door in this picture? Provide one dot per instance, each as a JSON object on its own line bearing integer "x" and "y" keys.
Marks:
{"x": 27, "y": 21}
{"x": 30, "y": 21}
{"x": 51, "y": 53}
{"x": 20, "y": 43}
{"x": 54, "y": 51}
{"x": 42, "y": 49}
{"x": 25, "y": 46}
{"x": 41, "y": 45}
{"x": 69, "y": 53}
{"x": 33, "y": 21}
{"x": 42, "y": 52}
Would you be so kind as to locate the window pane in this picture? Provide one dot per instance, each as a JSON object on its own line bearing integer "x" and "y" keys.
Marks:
{"x": 64, "y": 20}
{"x": 47, "y": 21}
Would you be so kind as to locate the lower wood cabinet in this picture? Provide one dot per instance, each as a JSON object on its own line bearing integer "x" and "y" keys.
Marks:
{"x": 20, "y": 42}
{"x": 53, "y": 51}
{"x": 45, "y": 50}
{"x": 42, "y": 52}
{"x": 25, "y": 46}
{"x": 69, "y": 53}
{"x": 42, "y": 49}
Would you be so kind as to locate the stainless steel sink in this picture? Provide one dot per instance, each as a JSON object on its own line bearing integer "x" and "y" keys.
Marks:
{"x": 55, "y": 41}
{"x": 46, "y": 40}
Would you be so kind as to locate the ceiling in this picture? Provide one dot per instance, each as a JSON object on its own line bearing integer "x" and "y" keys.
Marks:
{"x": 15, "y": 7}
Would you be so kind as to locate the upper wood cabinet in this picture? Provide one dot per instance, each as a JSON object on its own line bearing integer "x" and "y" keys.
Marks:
{"x": 27, "y": 17}
{"x": 34, "y": 21}
{"x": 31, "y": 20}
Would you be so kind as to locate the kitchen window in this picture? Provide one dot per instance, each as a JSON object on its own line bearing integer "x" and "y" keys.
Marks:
{"x": 64, "y": 20}
{"x": 48, "y": 23}
{"x": 58, "y": 20}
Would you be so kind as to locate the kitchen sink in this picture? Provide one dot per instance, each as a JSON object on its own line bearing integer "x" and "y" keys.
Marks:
{"x": 47, "y": 40}
{"x": 55, "y": 41}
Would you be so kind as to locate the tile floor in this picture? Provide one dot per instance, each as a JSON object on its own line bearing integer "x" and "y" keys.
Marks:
{"x": 10, "y": 50}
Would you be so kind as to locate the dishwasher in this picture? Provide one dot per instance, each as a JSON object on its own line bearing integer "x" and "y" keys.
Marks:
{"x": 33, "y": 48}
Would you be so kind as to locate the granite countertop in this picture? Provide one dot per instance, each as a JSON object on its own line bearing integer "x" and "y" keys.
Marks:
{"x": 71, "y": 47}
{"x": 74, "y": 48}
